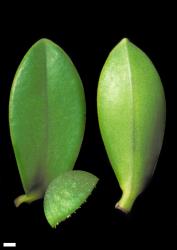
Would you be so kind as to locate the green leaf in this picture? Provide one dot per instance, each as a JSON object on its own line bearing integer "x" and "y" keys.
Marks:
{"x": 66, "y": 193}
{"x": 131, "y": 113}
{"x": 46, "y": 116}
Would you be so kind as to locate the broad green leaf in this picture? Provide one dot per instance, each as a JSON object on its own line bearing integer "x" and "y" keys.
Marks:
{"x": 46, "y": 116}
{"x": 66, "y": 193}
{"x": 131, "y": 113}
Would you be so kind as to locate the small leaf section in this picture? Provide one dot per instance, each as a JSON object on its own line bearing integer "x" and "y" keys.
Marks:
{"x": 66, "y": 193}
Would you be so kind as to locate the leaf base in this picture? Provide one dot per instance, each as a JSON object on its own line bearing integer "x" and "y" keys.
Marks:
{"x": 26, "y": 198}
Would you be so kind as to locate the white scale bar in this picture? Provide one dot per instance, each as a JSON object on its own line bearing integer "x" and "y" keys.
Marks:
{"x": 9, "y": 244}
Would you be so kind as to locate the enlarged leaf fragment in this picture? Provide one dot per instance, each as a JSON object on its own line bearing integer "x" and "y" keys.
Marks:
{"x": 66, "y": 193}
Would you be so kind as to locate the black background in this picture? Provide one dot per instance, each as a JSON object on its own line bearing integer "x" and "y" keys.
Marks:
{"x": 87, "y": 36}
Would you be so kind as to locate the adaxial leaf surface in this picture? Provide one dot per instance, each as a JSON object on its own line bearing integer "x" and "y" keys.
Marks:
{"x": 46, "y": 115}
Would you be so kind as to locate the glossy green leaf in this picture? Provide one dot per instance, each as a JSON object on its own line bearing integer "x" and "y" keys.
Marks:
{"x": 131, "y": 113}
{"x": 46, "y": 116}
{"x": 66, "y": 193}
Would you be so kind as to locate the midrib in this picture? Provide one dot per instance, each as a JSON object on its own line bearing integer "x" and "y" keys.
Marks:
{"x": 46, "y": 105}
{"x": 132, "y": 107}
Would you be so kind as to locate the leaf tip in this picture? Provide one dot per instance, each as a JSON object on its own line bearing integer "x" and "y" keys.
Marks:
{"x": 44, "y": 41}
{"x": 125, "y": 41}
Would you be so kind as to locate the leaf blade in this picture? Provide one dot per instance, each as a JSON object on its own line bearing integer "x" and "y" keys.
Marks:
{"x": 131, "y": 113}
{"x": 55, "y": 104}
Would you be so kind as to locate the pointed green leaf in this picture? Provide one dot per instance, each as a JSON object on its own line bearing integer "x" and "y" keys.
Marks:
{"x": 66, "y": 193}
{"x": 131, "y": 113}
{"x": 46, "y": 116}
